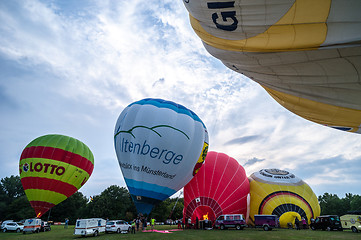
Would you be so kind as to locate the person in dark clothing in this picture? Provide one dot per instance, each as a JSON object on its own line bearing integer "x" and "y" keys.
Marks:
{"x": 297, "y": 223}
{"x": 137, "y": 223}
{"x": 143, "y": 224}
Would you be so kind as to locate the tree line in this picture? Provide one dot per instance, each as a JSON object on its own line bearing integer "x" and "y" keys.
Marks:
{"x": 115, "y": 203}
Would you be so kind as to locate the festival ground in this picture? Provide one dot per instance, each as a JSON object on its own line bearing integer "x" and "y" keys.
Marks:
{"x": 166, "y": 232}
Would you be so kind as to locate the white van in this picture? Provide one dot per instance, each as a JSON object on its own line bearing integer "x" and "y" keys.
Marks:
{"x": 32, "y": 225}
{"x": 91, "y": 226}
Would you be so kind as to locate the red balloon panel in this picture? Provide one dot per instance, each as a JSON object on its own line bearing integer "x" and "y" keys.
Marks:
{"x": 220, "y": 187}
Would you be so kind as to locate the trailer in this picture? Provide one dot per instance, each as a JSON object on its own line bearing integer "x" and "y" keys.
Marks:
{"x": 351, "y": 220}
{"x": 267, "y": 222}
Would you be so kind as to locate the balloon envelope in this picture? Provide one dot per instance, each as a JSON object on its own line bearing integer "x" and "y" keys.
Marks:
{"x": 220, "y": 187}
{"x": 306, "y": 54}
{"x": 160, "y": 145}
{"x": 281, "y": 193}
{"x": 52, "y": 168}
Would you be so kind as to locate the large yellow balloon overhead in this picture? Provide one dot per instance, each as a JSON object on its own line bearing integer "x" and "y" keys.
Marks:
{"x": 281, "y": 193}
{"x": 306, "y": 54}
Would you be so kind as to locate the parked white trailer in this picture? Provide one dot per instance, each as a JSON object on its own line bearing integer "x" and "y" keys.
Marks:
{"x": 90, "y": 226}
{"x": 352, "y": 220}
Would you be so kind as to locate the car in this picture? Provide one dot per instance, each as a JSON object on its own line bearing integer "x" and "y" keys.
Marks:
{"x": 4, "y": 222}
{"x": 45, "y": 226}
{"x": 327, "y": 222}
{"x": 230, "y": 221}
{"x": 13, "y": 226}
{"x": 117, "y": 226}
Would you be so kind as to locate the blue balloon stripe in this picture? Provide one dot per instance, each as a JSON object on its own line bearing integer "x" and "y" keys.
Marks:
{"x": 147, "y": 193}
{"x": 144, "y": 208}
{"x": 160, "y": 103}
{"x": 139, "y": 188}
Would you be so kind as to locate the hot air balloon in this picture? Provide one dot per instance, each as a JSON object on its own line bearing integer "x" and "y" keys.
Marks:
{"x": 52, "y": 168}
{"x": 160, "y": 145}
{"x": 306, "y": 54}
{"x": 220, "y": 187}
{"x": 281, "y": 193}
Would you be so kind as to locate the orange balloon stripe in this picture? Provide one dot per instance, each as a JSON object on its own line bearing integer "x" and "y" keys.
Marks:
{"x": 48, "y": 184}
{"x": 292, "y": 194}
{"x": 58, "y": 155}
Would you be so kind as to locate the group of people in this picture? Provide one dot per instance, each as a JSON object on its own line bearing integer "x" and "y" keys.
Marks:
{"x": 141, "y": 221}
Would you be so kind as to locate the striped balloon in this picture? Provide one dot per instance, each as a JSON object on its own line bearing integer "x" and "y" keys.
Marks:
{"x": 279, "y": 192}
{"x": 160, "y": 146}
{"x": 220, "y": 187}
{"x": 306, "y": 54}
{"x": 52, "y": 168}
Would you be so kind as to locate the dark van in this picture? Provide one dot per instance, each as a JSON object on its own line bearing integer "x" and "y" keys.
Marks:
{"x": 267, "y": 222}
{"x": 327, "y": 222}
{"x": 230, "y": 221}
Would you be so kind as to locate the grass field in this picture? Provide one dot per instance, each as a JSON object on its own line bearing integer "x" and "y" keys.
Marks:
{"x": 58, "y": 232}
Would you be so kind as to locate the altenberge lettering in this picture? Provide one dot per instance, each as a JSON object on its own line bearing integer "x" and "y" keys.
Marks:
{"x": 167, "y": 156}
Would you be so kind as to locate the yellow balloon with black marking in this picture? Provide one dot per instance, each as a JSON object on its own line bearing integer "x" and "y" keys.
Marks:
{"x": 306, "y": 54}
{"x": 281, "y": 193}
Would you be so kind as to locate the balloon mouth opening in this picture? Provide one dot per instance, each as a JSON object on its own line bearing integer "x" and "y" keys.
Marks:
{"x": 143, "y": 204}
{"x": 288, "y": 217}
{"x": 203, "y": 213}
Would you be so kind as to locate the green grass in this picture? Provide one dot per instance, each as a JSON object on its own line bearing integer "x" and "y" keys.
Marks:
{"x": 58, "y": 232}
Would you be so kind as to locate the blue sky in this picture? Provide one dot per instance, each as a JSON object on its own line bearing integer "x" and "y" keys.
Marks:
{"x": 71, "y": 67}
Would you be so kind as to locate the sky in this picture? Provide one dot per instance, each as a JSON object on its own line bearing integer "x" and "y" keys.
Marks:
{"x": 71, "y": 67}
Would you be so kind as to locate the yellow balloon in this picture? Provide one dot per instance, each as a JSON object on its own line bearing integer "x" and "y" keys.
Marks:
{"x": 281, "y": 193}
{"x": 288, "y": 217}
{"x": 306, "y": 54}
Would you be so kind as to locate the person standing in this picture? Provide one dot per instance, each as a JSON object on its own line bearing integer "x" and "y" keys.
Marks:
{"x": 137, "y": 223}
{"x": 304, "y": 224}
{"x": 66, "y": 223}
{"x": 133, "y": 226}
{"x": 152, "y": 222}
{"x": 297, "y": 223}
{"x": 143, "y": 223}
{"x": 312, "y": 222}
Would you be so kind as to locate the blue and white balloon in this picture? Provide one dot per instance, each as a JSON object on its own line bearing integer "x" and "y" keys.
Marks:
{"x": 159, "y": 145}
